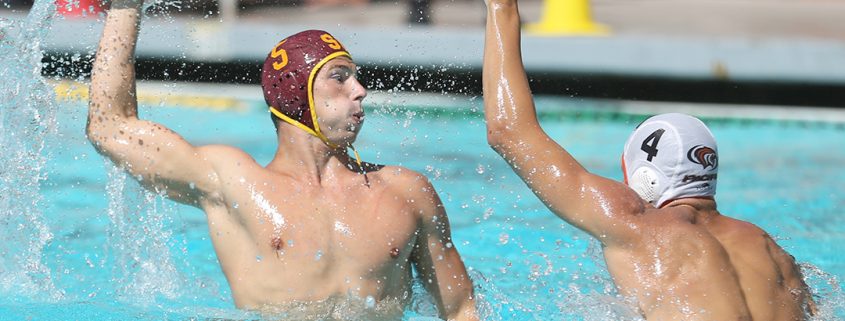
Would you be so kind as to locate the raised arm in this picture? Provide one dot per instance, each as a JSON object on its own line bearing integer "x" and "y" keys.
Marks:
{"x": 437, "y": 260}
{"x": 158, "y": 157}
{"x": 589, "y": 202}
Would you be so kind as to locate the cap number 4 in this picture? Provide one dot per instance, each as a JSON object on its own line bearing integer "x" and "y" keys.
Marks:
{"x": 650, "y": 143}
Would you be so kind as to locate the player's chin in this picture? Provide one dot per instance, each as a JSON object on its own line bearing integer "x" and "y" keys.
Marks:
{"x": 354, "y": 127}
{"x": 348, "y": 137}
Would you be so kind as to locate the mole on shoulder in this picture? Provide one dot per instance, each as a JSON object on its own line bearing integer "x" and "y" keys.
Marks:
{"x": 278, "y": 244}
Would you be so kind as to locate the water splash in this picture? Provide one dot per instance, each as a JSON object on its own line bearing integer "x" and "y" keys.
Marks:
{"x": 27, "y": 120}
{"x": 827, "y": 292}
{"x": 139, "y": 242}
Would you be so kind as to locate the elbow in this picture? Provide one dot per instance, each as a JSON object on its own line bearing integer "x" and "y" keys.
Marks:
{"x": 494, "y": 139}
{"x": 96, "y": 140}
{"x": 498, "y": 135}
{"x": 91, "y": 130}
{"x": 94, "y": 134}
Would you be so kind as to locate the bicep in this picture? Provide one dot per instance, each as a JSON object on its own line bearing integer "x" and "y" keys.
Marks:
{"x": 159, "y": 158}
{"x": 589, "y": 202}
{"x": 436, "y": 258}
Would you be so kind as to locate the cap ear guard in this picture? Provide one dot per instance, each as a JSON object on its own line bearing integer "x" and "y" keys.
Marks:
{"x": 646, "y": 182}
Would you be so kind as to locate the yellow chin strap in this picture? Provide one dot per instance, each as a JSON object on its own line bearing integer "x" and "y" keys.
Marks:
{"x": 314, "y": 133}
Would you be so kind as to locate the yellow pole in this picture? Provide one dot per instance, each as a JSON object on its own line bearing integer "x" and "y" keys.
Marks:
{"x": 567, "y": 17}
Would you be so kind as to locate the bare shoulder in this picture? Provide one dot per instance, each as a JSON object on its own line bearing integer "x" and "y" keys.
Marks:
{"x": 224, "y": 155}
{"x": 743, "y": 231}
{"x": 745, "y": 234}
{"x": 412, "y": 186}
{"x": 403, "y": 179}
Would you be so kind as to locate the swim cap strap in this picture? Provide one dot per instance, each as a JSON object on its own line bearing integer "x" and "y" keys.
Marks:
{"x": 360, "y": 166}
{"x": 357, "y": 158}
{"x": 303, "y": 127}
{"x": 311, "y": 77}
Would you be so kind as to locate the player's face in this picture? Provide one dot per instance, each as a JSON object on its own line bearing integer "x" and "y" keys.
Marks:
{"x": 338, "y": 98}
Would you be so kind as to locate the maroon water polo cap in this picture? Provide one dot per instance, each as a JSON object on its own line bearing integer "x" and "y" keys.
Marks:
{"x": 287, "y": 77}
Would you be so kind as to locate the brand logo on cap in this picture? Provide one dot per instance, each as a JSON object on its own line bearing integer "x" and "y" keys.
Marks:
{"x": 704, "y": 156}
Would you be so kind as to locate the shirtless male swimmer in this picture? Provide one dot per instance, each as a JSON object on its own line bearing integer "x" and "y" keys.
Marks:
{"x": 367, "y": 224}
{"x": 665, "y": 244}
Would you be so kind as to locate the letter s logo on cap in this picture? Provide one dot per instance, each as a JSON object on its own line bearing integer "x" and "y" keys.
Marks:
{"x": 327, "y": 38}
{"x": 279, "y": 52}
{"x": 704, "y": 156}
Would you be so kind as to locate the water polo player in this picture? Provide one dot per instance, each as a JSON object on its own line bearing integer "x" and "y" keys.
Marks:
{"x": 666, "y": 245}
{"x": 314, "y": 234}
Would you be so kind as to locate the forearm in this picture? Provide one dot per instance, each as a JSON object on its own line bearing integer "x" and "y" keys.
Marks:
{"x": 113, "y": 73}
{"x": 507, "y": 97}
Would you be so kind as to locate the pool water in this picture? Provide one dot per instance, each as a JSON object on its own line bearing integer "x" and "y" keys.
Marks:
{"x": 110, "y": 251}
{"x": 80, "y": 240}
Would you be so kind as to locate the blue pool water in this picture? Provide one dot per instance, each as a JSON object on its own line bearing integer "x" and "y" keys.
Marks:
{"x": 80, "y": 240}
{"x": 118, "y": 253}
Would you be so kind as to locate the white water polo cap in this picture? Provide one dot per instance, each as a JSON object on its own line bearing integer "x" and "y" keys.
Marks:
{"x": 671, "y": 156}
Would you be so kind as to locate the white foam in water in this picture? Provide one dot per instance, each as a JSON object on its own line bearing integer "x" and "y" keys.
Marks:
{"x": 827, "y": 293}
{"x": 143, "y": 268}
{"x": 27, "y": 119}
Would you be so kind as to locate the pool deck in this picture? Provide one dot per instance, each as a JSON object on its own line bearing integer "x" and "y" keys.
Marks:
{"x": 800, "y": 42}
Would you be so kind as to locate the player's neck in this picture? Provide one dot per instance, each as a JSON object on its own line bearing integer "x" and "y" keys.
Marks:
{"x": 306, "y": 157}
{"x": 705, "y": 207}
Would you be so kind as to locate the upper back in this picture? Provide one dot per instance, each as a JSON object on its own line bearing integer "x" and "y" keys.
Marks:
{"x": 676, "y": 269}
{"x": 725, "y": 266}
{"x": 771, "y": 281}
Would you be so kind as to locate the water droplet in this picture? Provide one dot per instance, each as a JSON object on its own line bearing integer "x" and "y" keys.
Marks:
{"x": 479, "y": 169}
{"x": 370, "y": 302}
{"x": 258, "y": 258}
{"x": 318, "y": 255}
{"x": 235, "y": 205}
{"x": 504, "y": 238}
{"x": 488, "y": 212}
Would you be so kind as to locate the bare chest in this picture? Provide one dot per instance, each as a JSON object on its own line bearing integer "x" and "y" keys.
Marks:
{"x": 369, "y": 228}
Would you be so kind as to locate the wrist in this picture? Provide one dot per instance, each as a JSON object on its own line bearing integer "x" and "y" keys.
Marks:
{"x": 501, "y": 6}
{"x": 500, "y": 3}
{"x": 126, "y": 4}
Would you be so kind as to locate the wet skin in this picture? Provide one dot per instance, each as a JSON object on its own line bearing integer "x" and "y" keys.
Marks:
{"x": 307, "y": 227}
{"x": 684, "y": 261}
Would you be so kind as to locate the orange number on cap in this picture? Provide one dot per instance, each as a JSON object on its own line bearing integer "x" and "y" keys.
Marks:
{"x": 279, "y": 52}
{"x": 327, "y": 38}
